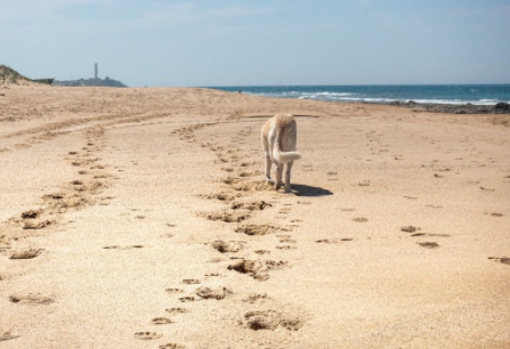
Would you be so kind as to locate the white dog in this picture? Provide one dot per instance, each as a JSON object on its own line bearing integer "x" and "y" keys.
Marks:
{"x": 279, "y": 143}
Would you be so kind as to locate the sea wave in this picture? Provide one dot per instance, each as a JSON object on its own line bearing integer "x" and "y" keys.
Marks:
{"x": 456, "y": 95}
{"x": 309, "y": 95}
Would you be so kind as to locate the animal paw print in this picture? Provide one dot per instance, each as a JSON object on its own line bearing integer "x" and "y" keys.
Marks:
{"x": 218, "y": 293}
{"x": 161, "y": 321}
{"x": 146, "y": 336}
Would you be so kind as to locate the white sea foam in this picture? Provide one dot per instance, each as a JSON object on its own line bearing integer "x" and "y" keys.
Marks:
{"x": 456, "y": 101}
{"x": 419, "y": 101}
{"x": 361, "y": 97}
{"x": 324, "y": 95}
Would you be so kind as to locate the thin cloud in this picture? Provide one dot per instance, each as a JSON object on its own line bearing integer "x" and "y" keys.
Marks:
{"x": 189, "y": 14}
{"x": 33, "y": 11}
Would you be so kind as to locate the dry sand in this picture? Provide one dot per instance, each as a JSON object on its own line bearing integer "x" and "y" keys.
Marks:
{"x": 137, "y": 218}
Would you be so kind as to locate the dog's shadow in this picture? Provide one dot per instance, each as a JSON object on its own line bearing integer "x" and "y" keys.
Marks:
{"x": 307, "y": 190}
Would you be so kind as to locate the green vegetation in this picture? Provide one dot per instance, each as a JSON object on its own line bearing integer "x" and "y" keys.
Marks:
{"x": 44, "y": 81}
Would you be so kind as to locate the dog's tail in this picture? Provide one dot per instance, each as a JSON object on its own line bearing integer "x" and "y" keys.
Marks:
{"x": 283, "y": 157}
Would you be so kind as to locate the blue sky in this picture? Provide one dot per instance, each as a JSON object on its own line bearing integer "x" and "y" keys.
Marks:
{"x": 278, "y": 42}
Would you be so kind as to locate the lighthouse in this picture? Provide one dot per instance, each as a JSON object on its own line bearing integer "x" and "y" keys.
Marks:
{"x": 95, "y": 72}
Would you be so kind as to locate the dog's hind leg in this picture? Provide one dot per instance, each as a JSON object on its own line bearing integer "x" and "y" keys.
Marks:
{"x": 287, "y": 176}
{"x": 268, "y": 163}
{"x": 279, "y": 172}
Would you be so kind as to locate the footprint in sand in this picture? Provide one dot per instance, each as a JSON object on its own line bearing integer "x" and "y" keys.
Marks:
{"x": 175, "y": 311}
{"x": 27, "y": 254}
{"x": 228, "y": 217}
{"x": 410, "y": 197}
{"x": 252, "y": 229}
{"x": 5, "y": 336}
{"x": 286, "y": 247}
{"x": 251, "y": 267}
{"x": 333, "y": 241}
{"x": 215, "y": 260}
{"x": 161, "y": 321}
{"x": 431, "y": 234}
{"x": 326, "y": 241}
{"x": 409, "y": 229}
{"x": 227, "y": 246}
{"x": 429, "y": 245}
{"x": 271, "y": 320}
{"x": 434, "y": 206}
{"x": 255, "y": 297}
{"x": 174, "y": 290}
{"x": 251, "y": 206}
{"x": 37, "y": 225}
{"x": 187, "y": 299}
{"x": 147, "y": 335}
{"x": 286, "y": 239}
{"x": 114, "y": 247}
{"x": 31, "y": 299}
{"x": 256, "y": 268}
{"x": 31, "y": 214}
{"x": 504, "y": 260}
{"x": 213, "y": 275}
{"x": 190, "y": 282}
{"x": 221, "y": 197}
{"x": 171, "y": 346}
{"x": 218, "y": 293}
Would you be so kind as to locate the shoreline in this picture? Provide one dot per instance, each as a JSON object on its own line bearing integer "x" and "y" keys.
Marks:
{"x": 456, "y": 99}
{"x": 468, "y": 108}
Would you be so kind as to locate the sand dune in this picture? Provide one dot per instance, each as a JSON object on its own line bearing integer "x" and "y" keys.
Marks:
{"x": 138, "y": 218}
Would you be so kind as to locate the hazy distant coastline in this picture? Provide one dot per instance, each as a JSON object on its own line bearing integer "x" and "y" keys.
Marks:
{"x": 107, "y": 82}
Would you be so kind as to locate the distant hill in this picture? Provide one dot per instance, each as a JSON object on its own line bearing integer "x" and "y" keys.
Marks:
{"x": 107, "y": 82}
{"x": 9, "y": 76}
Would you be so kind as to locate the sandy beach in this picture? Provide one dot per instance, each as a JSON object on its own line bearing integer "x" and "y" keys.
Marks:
{"x": 139, "y": 218}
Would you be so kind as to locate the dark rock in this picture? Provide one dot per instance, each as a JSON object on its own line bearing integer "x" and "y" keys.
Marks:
{"x": 502, "y": 107}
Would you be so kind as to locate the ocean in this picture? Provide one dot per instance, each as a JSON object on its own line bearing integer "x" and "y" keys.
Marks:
{"x": 385, "y": 94}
